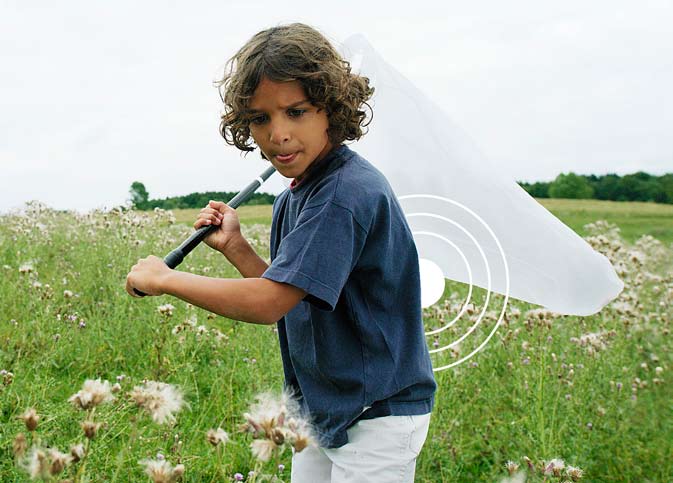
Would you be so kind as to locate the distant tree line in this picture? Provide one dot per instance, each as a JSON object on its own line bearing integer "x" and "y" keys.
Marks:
{"x": 140, "y": 199}
{"x": 639, "y": 186}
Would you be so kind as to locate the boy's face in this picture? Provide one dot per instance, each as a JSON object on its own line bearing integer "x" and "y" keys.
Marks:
{"x": 290, "y": 131}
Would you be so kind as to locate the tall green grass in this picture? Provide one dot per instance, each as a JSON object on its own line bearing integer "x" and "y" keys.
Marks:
{"x": 538, "y": 389}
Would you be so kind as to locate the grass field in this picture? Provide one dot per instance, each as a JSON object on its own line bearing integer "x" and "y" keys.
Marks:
{"x": 594, "y": 391}
{"x": 633, "y": 218}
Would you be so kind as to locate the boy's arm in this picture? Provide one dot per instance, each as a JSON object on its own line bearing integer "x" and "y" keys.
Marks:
{"x": 242, "y": 256}
{"x": 254, "y": 300}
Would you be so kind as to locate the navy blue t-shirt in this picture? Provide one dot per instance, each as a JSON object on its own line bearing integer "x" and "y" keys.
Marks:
{"x": 354, "y": 348}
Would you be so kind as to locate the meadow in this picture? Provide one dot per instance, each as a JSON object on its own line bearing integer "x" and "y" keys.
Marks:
{"x": 551, "y": 397}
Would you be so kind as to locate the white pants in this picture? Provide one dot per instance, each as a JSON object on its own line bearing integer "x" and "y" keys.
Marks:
{"x": 379, "y": 450}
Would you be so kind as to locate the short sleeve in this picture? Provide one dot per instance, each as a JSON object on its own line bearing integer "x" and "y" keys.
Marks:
{"x": 319, "y": 254}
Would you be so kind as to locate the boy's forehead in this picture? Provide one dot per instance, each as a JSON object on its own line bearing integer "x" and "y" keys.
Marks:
{"x": 276, "y": 95}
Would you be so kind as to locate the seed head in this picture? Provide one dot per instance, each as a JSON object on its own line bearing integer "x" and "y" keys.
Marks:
{"x": 92, "y": 394}
{"x": 554, "y": 467}
{"x": 20, "y": 445}
{"x": 161, "y": 471}
{"x": 511, "y": 467}
{"x": 77, "y": 452}
{"x": 37, "y": 464}
{"x": 58, "y": 461}
{"x": 90, "y": 429}
{"x": 574, "y": 473}
{"x": 217, "y": 436}
{"x": 159, "y": 399}
{"x": 262, "y": 449}
{"x": 30, "y": 419}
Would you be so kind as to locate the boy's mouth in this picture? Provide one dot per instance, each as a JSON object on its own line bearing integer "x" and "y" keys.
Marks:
{"x": 285, "y": 158}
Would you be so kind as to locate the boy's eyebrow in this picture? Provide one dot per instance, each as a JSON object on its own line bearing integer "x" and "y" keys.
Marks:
{"x": 294, "y": 104}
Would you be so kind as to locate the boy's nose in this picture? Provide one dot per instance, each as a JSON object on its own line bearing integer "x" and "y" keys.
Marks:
{"x": 279, "y": 134}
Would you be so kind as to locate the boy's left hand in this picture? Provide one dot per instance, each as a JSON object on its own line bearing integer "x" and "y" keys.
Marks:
{"x": 147, "y": 276}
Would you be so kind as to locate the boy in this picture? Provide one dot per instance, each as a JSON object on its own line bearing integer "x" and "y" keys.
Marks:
{"x": 343, "y": 284}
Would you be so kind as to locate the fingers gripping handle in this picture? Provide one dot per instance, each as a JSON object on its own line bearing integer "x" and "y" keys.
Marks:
{"x": 175, "y": 258}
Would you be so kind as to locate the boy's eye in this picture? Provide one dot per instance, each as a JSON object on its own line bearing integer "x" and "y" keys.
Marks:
{"x": 257, "y": 119}
{"x": 295, "y": 112}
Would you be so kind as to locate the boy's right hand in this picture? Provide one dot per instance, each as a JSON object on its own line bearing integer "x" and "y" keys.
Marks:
{"x": 219, "y": 213}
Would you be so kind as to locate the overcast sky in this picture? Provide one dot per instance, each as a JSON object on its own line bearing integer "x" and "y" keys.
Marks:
{"x": 95, "y": 95}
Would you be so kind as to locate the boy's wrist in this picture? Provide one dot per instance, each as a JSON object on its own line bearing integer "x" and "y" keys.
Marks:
{"x": 164, "y": 284}
{"x": 235, "y": 245}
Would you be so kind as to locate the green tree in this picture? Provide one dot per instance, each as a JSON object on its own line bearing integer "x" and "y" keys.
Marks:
{"x": 139, "y": 196}
{"x": 666, "y": 183}
{"x": 638, "y": 186}
{"x": 570, "y": 186}
{"x": 607, "y": 187}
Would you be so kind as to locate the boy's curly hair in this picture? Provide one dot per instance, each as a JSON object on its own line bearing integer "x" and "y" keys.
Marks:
{"x": 286, "y": 53}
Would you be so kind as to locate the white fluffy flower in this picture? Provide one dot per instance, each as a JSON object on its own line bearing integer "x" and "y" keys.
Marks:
{"x": 93, "y": 393}
{"x": 159, "y": 399}
{"x": 161, "y": 471}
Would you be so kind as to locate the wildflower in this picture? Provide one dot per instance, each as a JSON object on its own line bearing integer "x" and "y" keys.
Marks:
{"x": 68, "y": 294}
{"x": 520, "y": 477}
{"x": 511, "y": 467}
{"x": 299, "y": 434}
{"x": 20, "y": 445}
{"x": 26, "y": 268}
{"x": 37, "y": 464}
{"x": 116, "y": 387}
{"x": 161, "y": 471}
{"x": 90, "y": 429}
{"x": 77, "y": 452}
{"x": 166, "y": 310}
{"x": 8, "y": 377}
{"x": 281, "y": 468}
{"x": 554, "y": 467}
{"x": 658, "y": 370}
{"x": 92, "y": 394}
{"x": 276, "y": 421}
{"x": 30, "y": 419}
{"x": 529, "y": 462}
{"x": 262, "y": 449}
{"x": 238, "y": 477}
{"x": 574, "y": 473}
{"x": 159, "y": 399}
{"x": 58, "y": 461}
{"x": 590, "y": 426}
{"x": 217, "y": 436}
